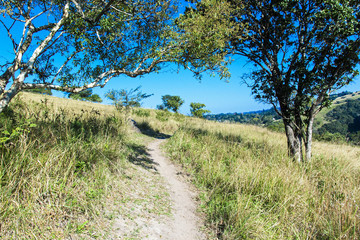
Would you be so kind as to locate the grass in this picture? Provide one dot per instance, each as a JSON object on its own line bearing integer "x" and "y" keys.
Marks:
{"x": 69, "y": 168}
{"x": 253, "y": 191}
{"x": 66, "y": 167}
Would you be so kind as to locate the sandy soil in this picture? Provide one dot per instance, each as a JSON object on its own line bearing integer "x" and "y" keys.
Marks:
{"x": 183, "y": 222}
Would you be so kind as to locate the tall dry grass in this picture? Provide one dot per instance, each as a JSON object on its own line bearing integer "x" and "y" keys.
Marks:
{"x": 59, "y": 162}
{"x": 252, "y": 190}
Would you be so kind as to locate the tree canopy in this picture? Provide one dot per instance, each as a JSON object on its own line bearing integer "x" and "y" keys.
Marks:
{"x": 302, "y": 51}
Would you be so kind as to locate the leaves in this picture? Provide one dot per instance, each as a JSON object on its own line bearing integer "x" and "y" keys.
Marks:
{"x": 171, "y": 102}
{"x": 197, "y": 109}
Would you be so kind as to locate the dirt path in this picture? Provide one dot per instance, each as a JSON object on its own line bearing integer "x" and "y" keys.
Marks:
{"x": 183, "y": 222}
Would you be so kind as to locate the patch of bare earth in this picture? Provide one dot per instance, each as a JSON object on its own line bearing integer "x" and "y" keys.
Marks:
{"x": 163, "y": 206}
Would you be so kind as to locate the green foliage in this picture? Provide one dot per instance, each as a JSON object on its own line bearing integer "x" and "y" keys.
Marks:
{"x": 262, "y": 118}
{"x": 197, "y": 109}
{"x": 302, "y": 51}
{"x": 85, "y": 95}
{"x": 205, "y": 28}
{"x": 127, "y": 98}
{"x": 171, "y": 102}
{"x": 343, "y": 123}
{"x": 13, "y": 135}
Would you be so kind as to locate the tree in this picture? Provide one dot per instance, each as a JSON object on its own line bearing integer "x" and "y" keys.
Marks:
{"x": 74, "y": 45}
{"x": 85, "y": 95}
{"x": 197, "y": 109}
{"x": 127, "y": 98}
{"x": 302, "y": 50}
{"x": 172, "y": 102}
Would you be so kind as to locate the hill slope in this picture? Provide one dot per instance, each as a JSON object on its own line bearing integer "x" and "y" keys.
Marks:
{"x": 338, "y": 123}
{"x": 68, "y": 169}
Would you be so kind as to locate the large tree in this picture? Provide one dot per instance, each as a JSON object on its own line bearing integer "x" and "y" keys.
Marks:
{"x": 73, "y": 45}
{"x": 302, "y": 50}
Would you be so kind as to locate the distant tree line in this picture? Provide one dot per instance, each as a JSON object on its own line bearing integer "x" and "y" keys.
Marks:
{"x": 343, "y": 123}
{"x": 262, "y": 118}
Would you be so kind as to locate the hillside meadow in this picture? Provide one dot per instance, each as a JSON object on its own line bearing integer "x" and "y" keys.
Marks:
{"x": 67, "y": 167}
{"x": 252, "y": 190}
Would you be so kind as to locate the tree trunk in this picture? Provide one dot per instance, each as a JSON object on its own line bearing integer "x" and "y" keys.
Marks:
{"x": 308, "y": 137}
{"x": 6, "y": 98}
{"x": 294, "y": 142}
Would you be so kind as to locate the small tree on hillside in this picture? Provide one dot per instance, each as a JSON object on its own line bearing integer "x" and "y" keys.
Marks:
{"x": 85, "y": 95}
{"x": 172, "y": 102}
{"x": 161, "y": 107}
{"x": 197, "y": 109}
{"x": 126, "y": 99}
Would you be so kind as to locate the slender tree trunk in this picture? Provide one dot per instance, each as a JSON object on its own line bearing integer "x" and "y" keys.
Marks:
{"x": 308, "y": 142}
{"x": 294, "y": 142}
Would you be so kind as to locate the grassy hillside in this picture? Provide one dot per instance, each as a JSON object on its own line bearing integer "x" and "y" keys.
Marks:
{"x": 320, "y": 118}
{"x": 68, "y": 168}
{"x": 253, "y": 191}
{"x": 337, "y": 123}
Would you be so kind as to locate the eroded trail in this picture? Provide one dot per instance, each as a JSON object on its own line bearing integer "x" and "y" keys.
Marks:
{"x": 140, "y": 218}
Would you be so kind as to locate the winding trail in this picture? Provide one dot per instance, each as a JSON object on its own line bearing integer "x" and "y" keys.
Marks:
{"x": 185, "y": 223}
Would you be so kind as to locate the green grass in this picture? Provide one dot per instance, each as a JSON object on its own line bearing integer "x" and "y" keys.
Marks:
{"x": 253, "y": 191}
{"x": 65, "y": 167}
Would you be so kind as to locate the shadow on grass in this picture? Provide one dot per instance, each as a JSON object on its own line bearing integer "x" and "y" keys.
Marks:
{"x": 147, "y": 130}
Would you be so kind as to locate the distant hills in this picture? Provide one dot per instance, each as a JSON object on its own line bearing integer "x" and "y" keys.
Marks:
{"x": 338, "y": 123}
